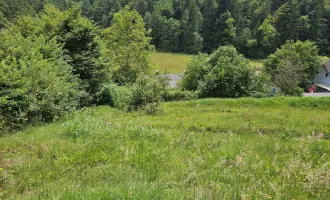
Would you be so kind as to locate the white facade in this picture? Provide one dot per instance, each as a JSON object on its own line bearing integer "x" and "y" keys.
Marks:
{"x": 323, "y": 77}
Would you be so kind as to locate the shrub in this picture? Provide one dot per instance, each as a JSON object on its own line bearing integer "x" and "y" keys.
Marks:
{"x": 146, "y": 91}
{"x": 287, "y": 76}
{"x": 152, "y": 109}
{"x": 261, "y": 86}
{"x": 225, "y": 73}
{"x": 116, "y": 96}
{"x": 299, "y": 61}
{"x": 79, "y": 39}
{"x": 195, "y": 72}
{"x": 178, "y": 95}
{"x": 144, "y": 95}
{"x": 36, "y": 83}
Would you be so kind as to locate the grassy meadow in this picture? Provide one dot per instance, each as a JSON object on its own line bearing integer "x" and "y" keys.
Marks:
{"x": 205, "y": 149}
{"x": 170, "y": 63}
{"x": 175, "y": 63}
{"x": 257, "y": 63}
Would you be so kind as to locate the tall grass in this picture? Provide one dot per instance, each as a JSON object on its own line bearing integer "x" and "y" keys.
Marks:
{"x": 205, "y": 149}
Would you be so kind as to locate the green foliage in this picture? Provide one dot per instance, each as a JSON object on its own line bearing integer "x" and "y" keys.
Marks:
{"x": 288, "y": 76}
{"x": 79, "y": 39}
{"x": 196, "y": 69}
{"x": 298, "y": 61}
{"x": 146, "y": 90}
{"x": 170, "y": 35}
{"x": 191, "y": 24}
{"x": 145, "y": 94}
{"x": 178, "y": 95}
{"x": 268, "y": 36}
{"x": 36, "y": 83}
{"x": 261, "y": 86}
{"x": 128, "y": 46}
{"x": 228, "y": 74}
{"x": 10, "y": 9}
{"x": 255, "y": 27}
{"x": 116, "y": 96}
{"x": 225, "y": 73}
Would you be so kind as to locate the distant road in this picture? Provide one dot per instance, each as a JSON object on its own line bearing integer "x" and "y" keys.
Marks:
{"x": 174, "y": 79}
{"x": 318, "y": 94}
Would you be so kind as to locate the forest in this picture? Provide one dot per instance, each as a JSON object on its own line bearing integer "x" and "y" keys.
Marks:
{"x": 256, "y": 28}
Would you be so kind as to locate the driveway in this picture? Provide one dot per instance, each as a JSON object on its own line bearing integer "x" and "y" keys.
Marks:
{"x": 317, "y": 94}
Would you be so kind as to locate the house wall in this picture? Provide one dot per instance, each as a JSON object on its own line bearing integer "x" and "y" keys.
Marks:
{"x": 321, "y": 79}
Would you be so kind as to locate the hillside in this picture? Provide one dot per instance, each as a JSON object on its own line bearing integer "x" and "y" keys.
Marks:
{"x": 206, "y": 149}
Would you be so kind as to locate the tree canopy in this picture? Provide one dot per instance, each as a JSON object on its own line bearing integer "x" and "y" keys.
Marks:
{"x": 256, "y": 28}
{"x": 127, "y": 46}
{"x": 225, "y": 73}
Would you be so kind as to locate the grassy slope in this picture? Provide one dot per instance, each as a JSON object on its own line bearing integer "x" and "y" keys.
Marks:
{"x": 205, "y": 149}
{"x": 175, "y": 63}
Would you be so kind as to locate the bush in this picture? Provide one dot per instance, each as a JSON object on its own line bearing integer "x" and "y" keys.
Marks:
{"x": 261, "y": 86}
{"x": 298, "y": 61}
{"x": 195, "y": 72}
{"x": 152, "y": 109}
{"x": 225, "y": 73}
{"x": 79, "y": 39}
{"x": 36, "y": 84}
{"x": 144, "y": 95}
{"x": 116, "y": 96}
{"x": 287, "y": 76}
{"x": 146, "y": 91}
{"x": 178, "y": 95}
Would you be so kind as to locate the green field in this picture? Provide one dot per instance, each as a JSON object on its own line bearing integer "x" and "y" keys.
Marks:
{"x": 174, "y": 63}
{"x": 206, "y": 149}
{"x": 257, "y": 63}
{"x": 171, "y": 63}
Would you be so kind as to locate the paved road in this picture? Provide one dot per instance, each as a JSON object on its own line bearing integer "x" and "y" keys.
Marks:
{"x": 174, "y": 78}
{"x": 318, "y": 94}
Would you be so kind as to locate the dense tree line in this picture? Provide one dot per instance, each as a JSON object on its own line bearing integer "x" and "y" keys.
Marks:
{"x": 255, "y": 27}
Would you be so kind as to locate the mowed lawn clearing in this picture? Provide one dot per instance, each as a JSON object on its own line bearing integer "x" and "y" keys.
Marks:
{"x": 171, "y": 63}
{"x": 175, "y": 63}
{"x": 205, "y": 149}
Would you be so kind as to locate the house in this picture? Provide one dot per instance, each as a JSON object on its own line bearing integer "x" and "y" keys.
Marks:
{"x": 322, "y": 80}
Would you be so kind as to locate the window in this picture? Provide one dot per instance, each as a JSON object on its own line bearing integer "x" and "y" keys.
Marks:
{"x": 326, "y": 74}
